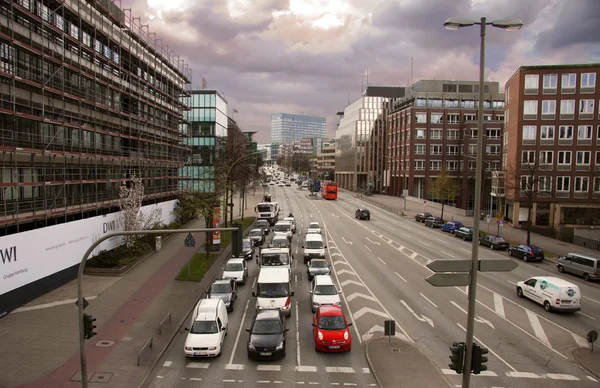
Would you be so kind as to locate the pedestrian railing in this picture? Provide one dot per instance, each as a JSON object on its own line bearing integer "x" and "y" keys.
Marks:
{"x": 167, "y": 318}
{"x": 147, "y": 344}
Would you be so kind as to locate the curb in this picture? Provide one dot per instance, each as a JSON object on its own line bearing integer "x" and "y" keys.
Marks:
{"x": 583, "y": 365}
{"x": 367, "y": 343}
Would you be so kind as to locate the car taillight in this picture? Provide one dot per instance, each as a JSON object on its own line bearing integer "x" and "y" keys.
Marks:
{"x": 557, "y": 301}
{"x": 288, "y": 302}
{"x": 531, "y": 253}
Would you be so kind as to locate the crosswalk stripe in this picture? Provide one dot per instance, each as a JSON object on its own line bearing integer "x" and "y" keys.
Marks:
{"x": 198, "y": 365}
{"x": 558, "y": 376}
{"x": 537, "y": 328}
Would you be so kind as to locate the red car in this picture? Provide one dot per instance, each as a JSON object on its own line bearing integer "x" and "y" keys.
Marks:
{"x": 331, "y": 330}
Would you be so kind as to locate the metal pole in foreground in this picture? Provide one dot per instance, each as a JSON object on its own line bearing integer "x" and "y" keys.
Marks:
{"x": 475, "y": 246}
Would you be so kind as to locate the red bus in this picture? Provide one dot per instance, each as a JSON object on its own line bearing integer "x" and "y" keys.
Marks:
{"x": 329, "y": 190}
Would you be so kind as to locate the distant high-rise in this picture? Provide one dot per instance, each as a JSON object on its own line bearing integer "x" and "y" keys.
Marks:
{"x": 286, "y": 128}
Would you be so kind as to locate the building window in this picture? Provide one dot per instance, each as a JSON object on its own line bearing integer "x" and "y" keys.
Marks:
{"x": 583, "y": 158}
{"x": 436, "y": 102}
{"x": 419, "y": 165}
{"x": 529, "y": 132}
{"x": 498, "y": 104}
{"x": 452, "y": 119}
{"x": 597, "y": 163}
{"x": 564, "y": 158}
{"x": 451, "y": 103}
{"x": 436, "y": 134}
{"x": 435, "y": 165}
{"x": 582, "y": 184}
{"x": 470, "y": 118}
{"x": 545, "y": 184}
{"x": 565, "y": 132}
{"x": 499, "y": 117}
{"x": 420, "y": 134}
{"x": 548, "y": 107}
{"x": 532, "y": 81}
{"x": 420, "y": 149}
{"x": 586, "y": 106}
{"x": 420, "y": 102}
{"x": 546, "y": 157}
{"x": 493, "y": 133}
{"x": 597, "y": 184}
{"x": 453, "y": 133}
{"x": 452, "y": 165}
{"x": 567, "y": 107}
{"x": 436, "y": 118}
{"x": 453, "y": 150}
{"x": 550, "y": 81}
{"x": 588, "y": 80}
{"x": 435, "y": 149}
{"x": 468, "y": 104}
{"x": 568, "y": 81}
{"x": 420, "y": 117}
{"x": 472, "y": 165}
{"x": 530, "y": 108}
{"x": 584, "y": 132}
{"x": 563, "y": 183}
{"x": 472, "y": 149}
{"x": 526, "y": 182}
{"x": 527, "y": 157}
{"x": 473, "y": 133}
{"x": 547, "y": 132}
{"x": 492, "y": 150}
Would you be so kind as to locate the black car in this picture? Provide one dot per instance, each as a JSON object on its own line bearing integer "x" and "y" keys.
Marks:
{"x": 257, "y": 236}
{"x": 434, "y": 222}
{"x": 267, "y": 335}
{"x": 262, "y": 224}
{"x": 527, "y": 252}
{"x": 225, "y": 289}
{"x": 494, "y": 242}
{"x": 362, "y": 214}
{"x": 421, "y": 217}
{"x": 318, "y": 267}
{"x": 247, "y": 248}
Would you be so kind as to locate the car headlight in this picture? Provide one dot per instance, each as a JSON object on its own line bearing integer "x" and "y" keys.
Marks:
{"x": 316, "y": 304}
{"x": 188, "y": 348}
{"x": 251, "y": 347}
{"x": 320, "y": 335}
{"x": 212, "y": 348}
{"x": 346, "y": 335}
{"x": 338, "y": 303}
{"x": 279, "y": 346}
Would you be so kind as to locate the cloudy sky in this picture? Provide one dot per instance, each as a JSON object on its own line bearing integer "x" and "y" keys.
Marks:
{"x": 309, "y": 56}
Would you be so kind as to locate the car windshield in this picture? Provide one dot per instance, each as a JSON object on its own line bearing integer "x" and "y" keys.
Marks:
{"x": 313, "y": 225}
{"x": 267, "y": 326}
{"x": 365, "y": 211}
{"x": 247, "y": 245}
{"x": 314, "y": 245}
{"x": 234, "y": 267}
{"x": 326, "y": 290}
{"x": 204, "y": 327}
{"x": 498, "y": 239}
{"x": 334, "y": 322}
{"x": 282, "y": 227}
{"x": 262, "y": 224}
{"x": 274, "y": 259}
{"x": 280, "y": 241}
{"x": 220, "y": 288}
{"x": 318, "y": 264}
{"x": 264, "y": 208}
{"x": 273, "y": 290}
{"x": 256, "y": 233}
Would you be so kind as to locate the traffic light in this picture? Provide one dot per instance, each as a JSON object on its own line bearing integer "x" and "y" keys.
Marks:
{"x": 479, "y": 359}
{"x": 88, "y": 326}
{"x": 457, "y": 357}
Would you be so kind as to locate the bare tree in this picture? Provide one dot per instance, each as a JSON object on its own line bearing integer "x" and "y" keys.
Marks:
{"x": 443, "y": 188}
{"x": 131, "y": 195}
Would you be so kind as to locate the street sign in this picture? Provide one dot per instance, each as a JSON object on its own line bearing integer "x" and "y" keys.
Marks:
{"x": 497, "y": 265}
{"x": 450, "y": 265}
{"x": 190, "y": 242}
{"x": 85, "y": 303}
{"x": 389, "y": 327}
{"x": 592, "y": 336}
{"x": 448, "y": 279}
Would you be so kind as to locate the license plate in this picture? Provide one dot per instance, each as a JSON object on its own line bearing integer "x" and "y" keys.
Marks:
{"x": 199, "y": 353}
{"x": 334, "y": 347}
{"x": 266, "y": 353}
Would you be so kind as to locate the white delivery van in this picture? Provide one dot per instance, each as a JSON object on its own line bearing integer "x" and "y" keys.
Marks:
{"x": 273, "y": 290}
{"x": 314, "y": 247}
{"x": 208, "y": 329}
{"x": 284, "y": 227}
{"x": 551, "y": 292}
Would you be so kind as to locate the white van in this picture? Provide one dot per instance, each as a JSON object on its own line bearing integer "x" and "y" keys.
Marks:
{"x": 284, "y": 227}
{"x": 208, "y": 329}
{"x": 314, "y": 248}
{"x": 551, "y": 292}
{"x": 273, "y": 290}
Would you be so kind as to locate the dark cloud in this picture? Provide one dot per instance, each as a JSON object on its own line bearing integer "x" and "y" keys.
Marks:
{"x": 579, "y": 22}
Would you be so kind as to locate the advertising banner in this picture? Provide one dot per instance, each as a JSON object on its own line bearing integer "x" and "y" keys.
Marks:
{"x": 29, "y": 256}
{"x": 217, "y": 224}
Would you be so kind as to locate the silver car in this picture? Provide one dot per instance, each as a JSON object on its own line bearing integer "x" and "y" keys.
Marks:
{"x": 318, "y": 267}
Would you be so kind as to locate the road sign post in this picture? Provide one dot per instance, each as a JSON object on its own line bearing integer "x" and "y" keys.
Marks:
{"x": 592, "y": 336}
{"x": 389, "y": 329}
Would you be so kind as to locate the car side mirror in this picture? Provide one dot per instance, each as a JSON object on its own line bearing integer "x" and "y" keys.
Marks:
{"x": 302, "y": 246}
{"x": 292, "y": 293}
{"x": 310, "y": 292}
{"x": 286, "y": 330}
{"x": 186, "y": 328}
{"x": 314, "y": 325}
{"x": 223, "y": 328}
{"x": 253, "y": 294}
{"x": 325, "y": 247}
{"x": 349, "y": 324}
{"x": 340, "y": 291}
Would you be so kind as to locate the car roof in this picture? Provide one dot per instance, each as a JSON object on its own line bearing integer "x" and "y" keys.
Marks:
{"x": 317, "y": 260}
{"x": 261, "y": 221}
{"x": 222, "y": 281}
{"x": 235, "y": 260}
{"x": 314, "y": 237}
{"x": 274, "y": 250}
{"x": 313, "y": 223}
{"x": 330, "y": 310}
{"x": 323, "y": 280}
{"x": 256, "y": 230}
{"x": 282, "y": 222}
{"x": 555, "y": 280}
{"x": 268, "y": 314}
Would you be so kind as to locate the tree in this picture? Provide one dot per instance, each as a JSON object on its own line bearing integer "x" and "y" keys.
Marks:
{"x": 527, "y": 183}
{"x": 443, "y": 188}
{"x": 131, "y": 195}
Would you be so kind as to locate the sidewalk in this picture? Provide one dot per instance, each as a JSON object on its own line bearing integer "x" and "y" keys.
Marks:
{"x": 39, "y": 341}
{"x": 513, "y": 235}
{"x": 400, "y": 364}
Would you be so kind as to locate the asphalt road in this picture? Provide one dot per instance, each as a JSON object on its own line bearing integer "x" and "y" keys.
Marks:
{"x": 380, "y": 266}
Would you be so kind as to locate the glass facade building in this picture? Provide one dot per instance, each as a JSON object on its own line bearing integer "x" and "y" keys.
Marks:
{"x": 207, "y": 129}
{"x": 286, "y": 128}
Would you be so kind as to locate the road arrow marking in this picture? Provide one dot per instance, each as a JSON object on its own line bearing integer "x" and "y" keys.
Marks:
{"x": 421, "y": 318}
{"x": 373, "y": 242}
{"x": 346, "y": 282}
{"x": 340, "y": 262}
{"x": 347, "y": 242}
{"x": 369, "y": 334}
{"x": 358, "y": 294}
{"x": 365, "y": 310}
{"x": 345, "y": 271}
{"x": 477, "y": 318}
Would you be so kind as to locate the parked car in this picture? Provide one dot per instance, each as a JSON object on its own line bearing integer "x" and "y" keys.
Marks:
{"x": 224, "y": 289}
{"x": 331, "y": 330}
{"x": 362, "y": 214}
{"x": 267, "y": 335}
{"x": 236, "y": 269}
{"x": 527, "y": 252}
{"x": 494, "y": 242}
{"x": 318, "y": 267}
{"x": 580, "y": 264}
{"x": 421, "y": 217}
{"x": 434, "y": 222}
{"x": 451, "y": 226}
{"x": 465, "y": 233}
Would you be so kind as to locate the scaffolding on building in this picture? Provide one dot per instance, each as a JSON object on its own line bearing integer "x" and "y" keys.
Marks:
{"x": 88, "y": 98}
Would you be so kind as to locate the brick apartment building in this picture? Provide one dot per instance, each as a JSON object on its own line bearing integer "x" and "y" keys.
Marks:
{"x": 552, "y": 125}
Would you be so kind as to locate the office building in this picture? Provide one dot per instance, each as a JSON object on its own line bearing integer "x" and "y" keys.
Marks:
{"x": 360, "y": 139}
{"x": 325, "y": 160}
{"x": 435, "y": 127}
{"x": 266, "y": 153}
{"x": 552, "y": 138}
{"x": 286, "y": 128}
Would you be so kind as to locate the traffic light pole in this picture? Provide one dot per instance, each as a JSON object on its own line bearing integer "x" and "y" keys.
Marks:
{"x": 80, "y": 307}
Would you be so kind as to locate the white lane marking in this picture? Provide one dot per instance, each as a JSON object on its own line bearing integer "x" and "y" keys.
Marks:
{"x": 339, "y": 369}
{"x": 559, "y": 376}
{"x": 406, "y": 235}
{"x": 537, "y": 327}
{"x": 484, "y": 373}
{"x": 582, "y": 342}
{"x": 270, "y": 368}
{"x": 366, "y": 336}
{"x": 524, "y": 375}
{"x": 160, "y": 377}
{"x": 228, "y": 381}
{"x": 446, "y": 253}
{"x": 511, "y": 282}
{"x": 466, "y": 250}
{"x": 369, "y": 249}
{"x": 413, "y": 255}
{"x": 427, "y": 299}
{"x": 365, "y": 310}
{"x": 585, "y": 315}
{"x": 397, "y": 274}
{"x": 197, "y": 365}
{"x": 237, "y": 338}
{"x": 490, "y": 350}
{"x": 52, "y": 304}
{"x": 442, "y": 241}
{"x": 499, "y": 305}
{"x": 477, "y": 318}
{"x": 593, "y": 300}
{"x": 168, "y": 363}
{"x": 374, "y": 242}
{"x": 195, "y": 379}
{"x": 592, "y": 379}
{"x": 421, "y": 318}
{"x": 306, "y": 368}
{"x": 347, "y": 242}
{"x": 424, "y": 243}
{"x": 350, "y": 384}
{"x": 357, "y": 294}
{"x": 343, "y": 271}
{"x": 381, "y": 260}
{"x": 295, "y": 279}
{"x": 254, "y": 282}
{"x": 297, "y": 337}
{"x": 339, "y": 261}
{"x": 235, "y": 367}
{"x": 366, "y": 370}
{"x": 264, "y": 381}
{"x": 346, "y": 282}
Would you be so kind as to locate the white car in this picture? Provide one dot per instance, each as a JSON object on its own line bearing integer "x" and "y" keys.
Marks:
{"x": 313, "y": 227}
{"x": 284, "y": 227}
{"x": 323, "y": 291}
{"x": 281, "y": 184}
{"x": 236, "y": 269}
{"x": 208, "y": 329}
{"x": 292, "y": 221}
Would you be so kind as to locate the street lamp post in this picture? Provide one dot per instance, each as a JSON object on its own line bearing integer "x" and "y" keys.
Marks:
{"x": 455, "y": 24}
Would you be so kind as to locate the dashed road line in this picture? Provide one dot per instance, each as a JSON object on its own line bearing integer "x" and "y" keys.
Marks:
{"x": 197, "y": 365}
{"x": 400, "y": 276}
{"x": 269, "y": 368}
{"x": 381, "y": 260}
{"x": 424, "y": 243}
{"x": 427, "y": 299}
{"x": 446, "y": 253}
{"x": 369, "y": 249}
{"x": 297, "y": 337}
{"x": 168, "y": 363}
{"x": 339, "y": 369}
{"x": 305, "y": 368}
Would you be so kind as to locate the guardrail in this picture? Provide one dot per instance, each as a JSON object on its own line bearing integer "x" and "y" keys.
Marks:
{"x": 149, "y": 342}
{"x": 162, "y": 322}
